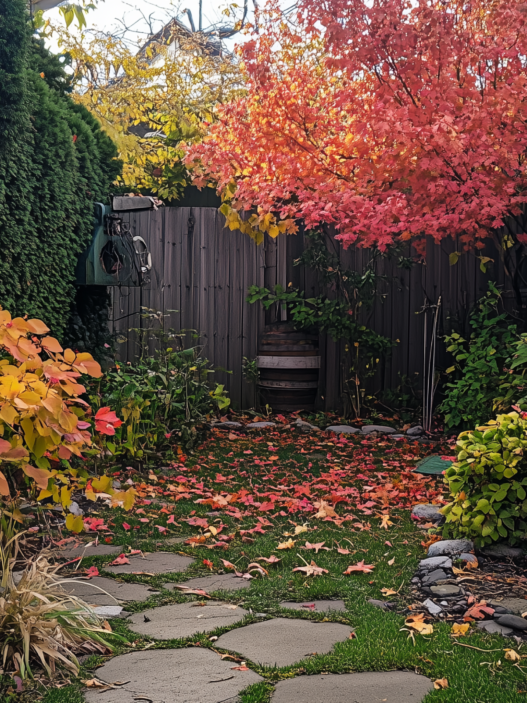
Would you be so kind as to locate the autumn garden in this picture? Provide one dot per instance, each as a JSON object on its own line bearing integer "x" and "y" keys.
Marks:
{"x": 342, "y": 536}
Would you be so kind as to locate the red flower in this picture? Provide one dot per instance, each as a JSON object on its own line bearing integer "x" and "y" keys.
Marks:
{"x": 106, "y": 421}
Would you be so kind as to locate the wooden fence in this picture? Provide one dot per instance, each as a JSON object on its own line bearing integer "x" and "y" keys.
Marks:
{"x": 202, "y": 271}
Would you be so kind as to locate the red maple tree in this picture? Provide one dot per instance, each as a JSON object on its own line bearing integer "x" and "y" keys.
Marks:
{"x": 393, "y": 120}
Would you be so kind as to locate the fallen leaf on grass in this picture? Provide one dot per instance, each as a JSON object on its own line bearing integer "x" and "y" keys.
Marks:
{"x": 388, "y": 592}
{"x": 391, "y": 562}
{"x": 120, "y": 560}
{"x": 271, "y": 560}
{"x": 312, "y": 570}
{"x": 385, "y": 521}
{"x": 208, "y": 564}
{"x": 317, "y": 547}
{"x": 233, "y": 436}
{"x": 360, "y": 567}
{"x": 286, "y": 545}
{"x": 226, "y": 564}
{"x": 343, "y": 551}
{"x": 440, "y": 683}
{"x": 299, "y": 529}
{"x": 259, "y": 569}
{"x": 459, "y": 630}
{"x": 417, "y": 622}
{"x": 324, "y": 509}
{"x": 512, "y": 656}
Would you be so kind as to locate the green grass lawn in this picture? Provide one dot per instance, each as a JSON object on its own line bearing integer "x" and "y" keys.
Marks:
{"x": 380, "y": 644}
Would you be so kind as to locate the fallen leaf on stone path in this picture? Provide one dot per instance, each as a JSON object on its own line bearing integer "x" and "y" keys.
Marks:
{"x": 361, "y": 567}
{"x": 388, "y": 592}
{"x": 312, "y": 570}
{"x": 120, "y": 560}
{"x": 440, "y": 683}
{"x": 192, "y": 591}
{"x": 92, "y": 572}
{"x": 512, "y": 656}
{"x": 240, "y": 668}
{"x": 142, "y": 573}
{"x": 132, "y": 552}
{"x": 417, "y": 622}
{"x": 479, "y": 611}
{"x": 95, "y": 683}
{"x": 311, "y": 606}
{"x": 459, "y": 630}
{"x": 271, "y": 560}
{"x": 286, "y": 545}
{"x": 317, "y": 547}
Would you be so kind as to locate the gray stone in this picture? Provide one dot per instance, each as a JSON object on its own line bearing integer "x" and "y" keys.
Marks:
{"x": 494, "y": 628}
{"x": 108, "y": 611}
{"x": 171, "y": 676}
{"x": 435, "y": 563}
{"x": 367, "y": 687}
{"x": 259, "y": 425}
{"x": 450, "y": 547}
{"x": 383, "y": 605}
{"x": 227, "y": 425}
{"x": 99, "y": 550}
{"x": 321, "y": 606}
{"x": 342, "y": 429}
{"x": 306, "y": 427}
{"x": 75, "y": 509}
{"x": 284, "y": 641}
{"x": 415, "y": 431}
{"x": 428, "y": 512}
{"x": 381, "y": 429}
{"x": 175, "y": 540}
{"x": 170, "y": 622}
{"x": 156, "y": 563}
{"x": 103, "y": 591}
{"x": 515, "y": 605}
{"x": 500, "y": 610}
{"x": 445, "y": 591}
{"x": 218, "y": 582}
{"x": 396, "y": 436}
{"x": 502, "y": 550}
{"x": 513, "y": 621}
{"x": 432, "y": 608}
{"x": 434, "y": 576}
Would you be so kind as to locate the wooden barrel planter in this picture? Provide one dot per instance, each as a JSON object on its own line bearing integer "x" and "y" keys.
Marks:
{"x": 289, "y": 365}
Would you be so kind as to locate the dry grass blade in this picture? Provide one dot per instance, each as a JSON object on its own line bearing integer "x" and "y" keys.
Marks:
{"x": 40, "y": 622}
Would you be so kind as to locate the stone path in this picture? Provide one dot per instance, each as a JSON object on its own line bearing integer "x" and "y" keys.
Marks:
{"x": 185, "y": 619}
{"x": 99, "y": 550}
{"x": 316, "y": 606}
{"x": 389, "y": 687}
{"x": 172, "y": 676}
{"x": 90, "y": 591}
{"x": 156, "y": 563}
{"x": 219, "y": 582}
{"x": 283, "y": 641}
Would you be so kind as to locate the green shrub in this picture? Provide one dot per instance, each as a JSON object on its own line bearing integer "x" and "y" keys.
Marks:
{"x": 481, "y": 364}
{"x": 488, "y": 482}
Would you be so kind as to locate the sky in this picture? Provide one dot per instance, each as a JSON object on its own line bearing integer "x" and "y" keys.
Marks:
{"x": 108, "y": 14}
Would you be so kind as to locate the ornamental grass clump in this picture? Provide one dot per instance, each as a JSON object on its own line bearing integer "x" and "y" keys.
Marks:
{"x": 488, "y": 482}
{"x": 40, "y": 623}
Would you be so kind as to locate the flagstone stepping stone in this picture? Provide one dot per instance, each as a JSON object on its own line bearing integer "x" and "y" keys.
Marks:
{"x": 89, "y": 591}
{"x": 219, "y": 582}
{"x": 368, "y": 687}
{"x": 514, "y": 621}
{"x": 494, "y": 628}
{"x": 415, "y": 431}
{"x": 427, "y": 511}
{"x": 433, "y": 563}
{"x": 381, "y": 429}
{"x": 321, "y": 606}
{"x": 259, "y": 425}
{"x": 227, "y": 425}
{"x": 156, "y": 563}
{"x": 450, "y": 547}
{"x": 99, "y": 550}
{"x": 284, "y": 641}
{"x": 170, "y": 622}
{"x": 342, "y": 429}
{"x": 518, "y": 606}
{"x": 171, "y": 676}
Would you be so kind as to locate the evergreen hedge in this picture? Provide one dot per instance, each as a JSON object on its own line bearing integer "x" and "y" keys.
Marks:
{"x": 55, "y": 162}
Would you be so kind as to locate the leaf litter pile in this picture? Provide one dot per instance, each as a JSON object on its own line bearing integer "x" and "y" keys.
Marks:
{"x": 303, "y": 518}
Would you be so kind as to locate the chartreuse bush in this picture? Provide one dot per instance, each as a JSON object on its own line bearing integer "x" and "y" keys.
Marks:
{"x": 488, "y": 482}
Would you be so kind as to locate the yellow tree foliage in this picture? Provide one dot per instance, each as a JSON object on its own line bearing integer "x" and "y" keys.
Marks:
{"x": 43, "y": 419}
{"x": 168, "y": 88}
